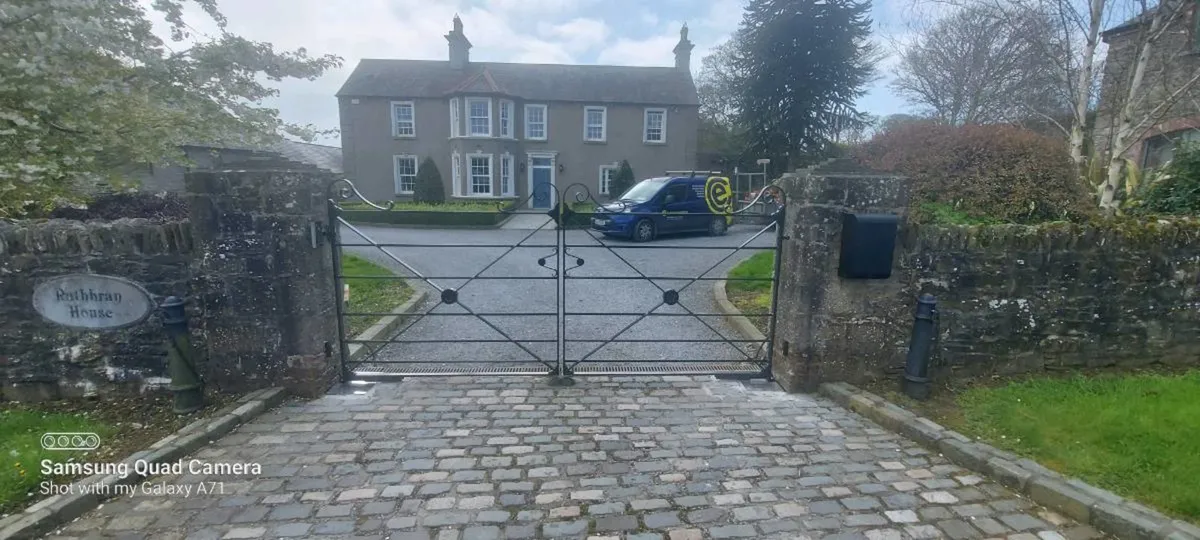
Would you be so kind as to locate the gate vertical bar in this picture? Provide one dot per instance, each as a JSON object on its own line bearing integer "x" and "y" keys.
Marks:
{"x": 335, "y": 247}
{"x": 560, "y": 233}
{"x": 780, "y": 219}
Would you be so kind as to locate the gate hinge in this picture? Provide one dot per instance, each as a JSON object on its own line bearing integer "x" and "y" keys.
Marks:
{"x": 316, "y": 231}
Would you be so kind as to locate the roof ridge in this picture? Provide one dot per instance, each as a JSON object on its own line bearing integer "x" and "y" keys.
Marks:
{"x": 313, "y": 144}
{"x": 551, "y": 82}
{"x": 474, "y": 63}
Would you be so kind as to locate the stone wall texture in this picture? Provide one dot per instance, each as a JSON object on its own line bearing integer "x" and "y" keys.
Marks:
{"x": 1011, "y": 299}
{"x": 258, "y": 286}
{"x": 40, "y": 360}
{"x": 266, "y": 291}
{"x": 1017, "y": 298}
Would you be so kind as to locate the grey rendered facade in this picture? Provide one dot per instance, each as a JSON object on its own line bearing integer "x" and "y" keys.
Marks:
{"x": 480, "y": 123}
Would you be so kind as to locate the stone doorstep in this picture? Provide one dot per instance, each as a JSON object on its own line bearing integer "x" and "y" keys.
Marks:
{"x": 58, "y": 510}
{"x": 388, "y": 323}
{"x": 733, "y": 315}
{"x": 1083, "y": 502}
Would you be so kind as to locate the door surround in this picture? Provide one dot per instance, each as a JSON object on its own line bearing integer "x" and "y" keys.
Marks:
{"x": 553, "y": 157}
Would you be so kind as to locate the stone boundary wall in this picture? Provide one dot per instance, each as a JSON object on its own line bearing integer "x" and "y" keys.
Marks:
{"x": 1011, "y": 299}
{"x": 1015, "y": 299}
{"x": 253, "y": 261}
{"x": 40, "y": 360}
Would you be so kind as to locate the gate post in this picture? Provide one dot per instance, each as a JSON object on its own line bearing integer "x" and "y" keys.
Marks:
{"x": 821, "y": 314}
{"x": 334, "y": 237}
{"x": 264, "y": 278}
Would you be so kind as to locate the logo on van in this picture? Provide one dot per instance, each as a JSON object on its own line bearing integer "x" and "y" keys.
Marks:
{"x": 718, "y": 195}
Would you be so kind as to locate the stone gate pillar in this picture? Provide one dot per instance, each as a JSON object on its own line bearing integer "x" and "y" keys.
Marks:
{"x": 820, "y": 313}
{"x": 265, "y": 292}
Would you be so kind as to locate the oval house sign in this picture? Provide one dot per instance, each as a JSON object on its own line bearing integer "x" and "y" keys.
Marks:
{"x": 92, "y": 302}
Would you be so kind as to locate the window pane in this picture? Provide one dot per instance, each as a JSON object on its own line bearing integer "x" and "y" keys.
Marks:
{"x": 535, "y": 122}
{"x": 406, "y": 174}
{"x": 404, "y": 118}
{"x": 654, "y": 124}
{"x": 505, "y": 175}
{"x": 479, "y": 117}
{"x": 594, "y": 129}
{"x": 481, "y": 175}
{"x": 606, "y": 175}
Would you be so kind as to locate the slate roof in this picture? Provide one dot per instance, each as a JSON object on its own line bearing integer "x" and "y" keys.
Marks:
{"x": 328, "y": 158}
{"x": 531, "y": 82}
{"x": 318, "y": 155}
{"x": 1144, "y": 17}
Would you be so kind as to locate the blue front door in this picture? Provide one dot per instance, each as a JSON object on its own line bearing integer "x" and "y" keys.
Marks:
{"x": 543, "y": 182}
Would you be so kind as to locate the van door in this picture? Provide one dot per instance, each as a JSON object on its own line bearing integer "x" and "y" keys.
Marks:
{"x": 701, "y": 214}
{"x": 675, "y": 208}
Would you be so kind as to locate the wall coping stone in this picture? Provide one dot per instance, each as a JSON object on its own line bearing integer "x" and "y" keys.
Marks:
{"x": 57, "y": 510}
{"x": 69, "y": 237}
{"x": 1090, "y": 505}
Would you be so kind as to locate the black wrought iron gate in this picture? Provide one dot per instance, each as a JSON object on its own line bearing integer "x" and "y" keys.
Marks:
{"x": 555, "y": 299}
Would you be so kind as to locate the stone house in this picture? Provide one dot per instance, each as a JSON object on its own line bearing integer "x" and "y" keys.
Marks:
{"x": 495, "y": 130}
{"x": 1175, "y": 60}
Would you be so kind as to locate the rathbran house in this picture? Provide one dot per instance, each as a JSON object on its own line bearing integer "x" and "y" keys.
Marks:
{"x": 495, "y": 130}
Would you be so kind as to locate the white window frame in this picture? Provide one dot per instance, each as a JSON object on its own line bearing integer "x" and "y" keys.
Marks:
{"x": 396, "y": 173}
{"x": 604, "y": 186}
{"x": 545, "y": 121}
{"x": 455, "y": 173}
{"x": 508, "y": 185}
{"x": 603, "y": 123}
{"x": 646, "y": 125}
{"x": 470, "y": 124}
{"x": 396, "y": 123}
{"x": 507, "y": 111}
{"x": 470, "y": 185}
{"x": 455, "y": 125}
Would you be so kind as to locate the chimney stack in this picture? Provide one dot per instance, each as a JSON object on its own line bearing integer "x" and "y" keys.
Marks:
{"x": 683, "y": 51}
{"x": 460, "y": 47}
